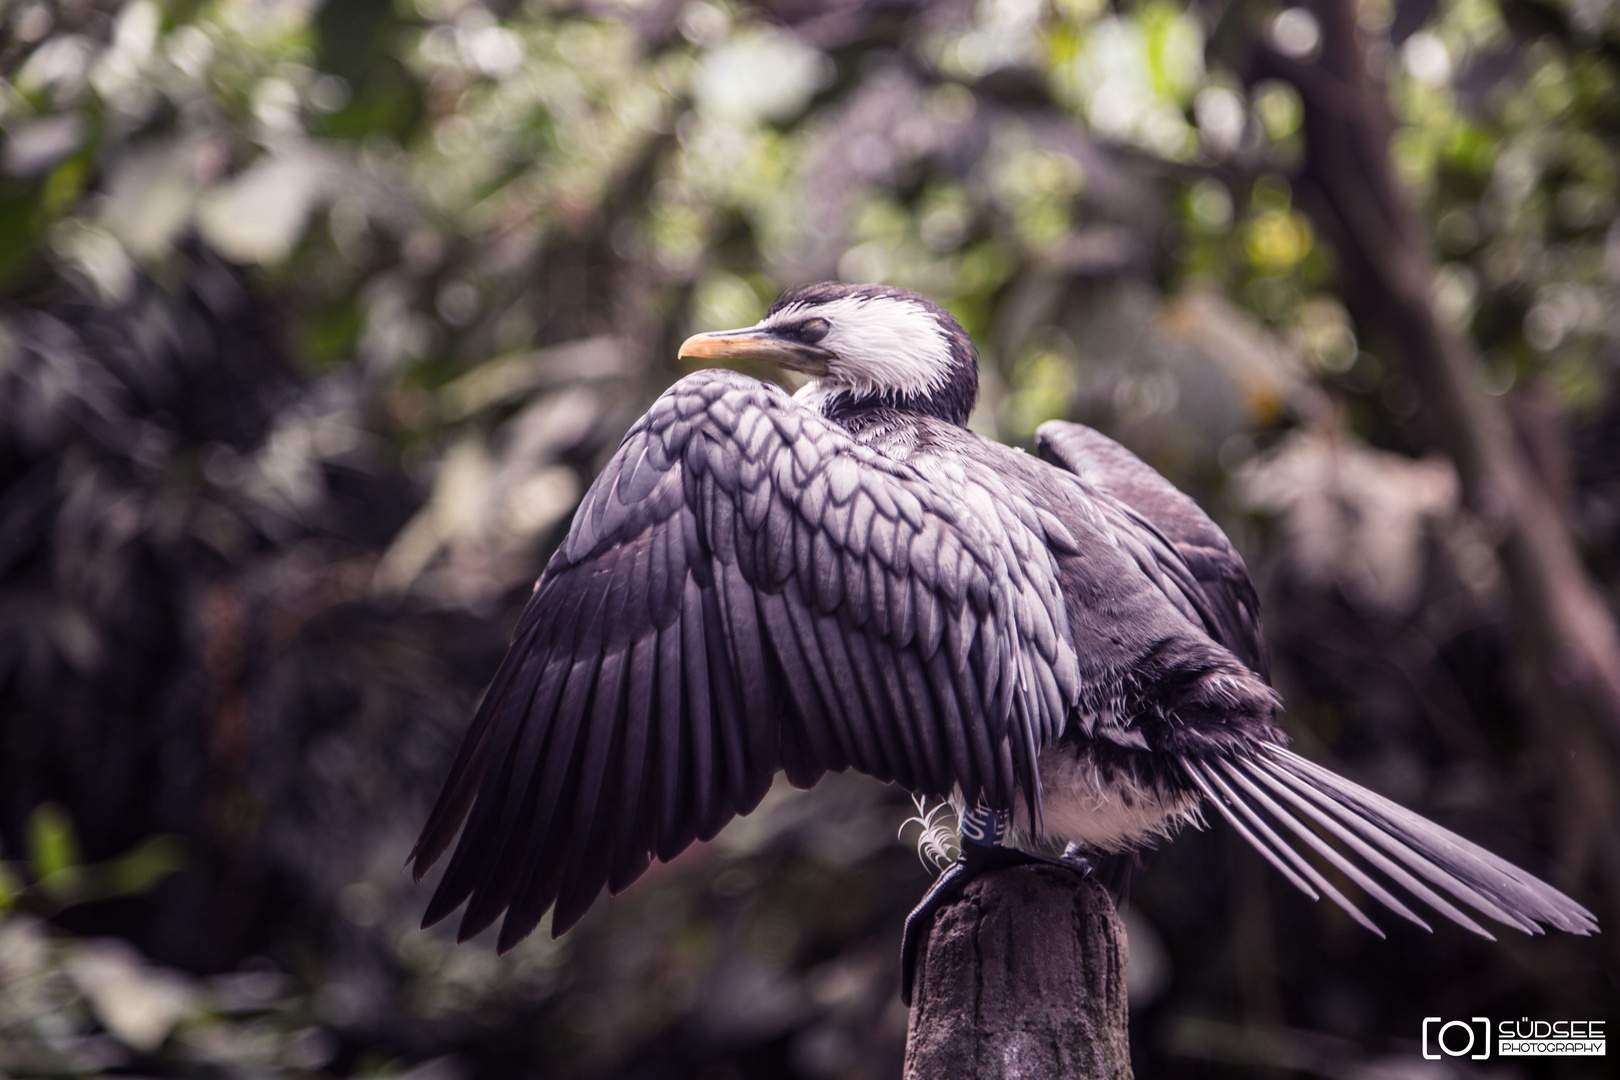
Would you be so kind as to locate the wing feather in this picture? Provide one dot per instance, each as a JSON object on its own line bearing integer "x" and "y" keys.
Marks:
{"x": 707, "y": 776}
{"x": 831, "y": 727}
{"x": 677, "y": 809}
{"x": 845, "y": 681}
{"x": 638, "y": 821}
{"x": 586, "y": 870}
{"x": 523, "y": 876}
{"x": 933, "y": 769}
{"x": 875, "y": 670}
{"x": 749, "y": 649}
{"x": 947, "y": 692}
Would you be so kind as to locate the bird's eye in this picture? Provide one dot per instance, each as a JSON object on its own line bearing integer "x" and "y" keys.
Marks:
{"x": 812, "y": 330}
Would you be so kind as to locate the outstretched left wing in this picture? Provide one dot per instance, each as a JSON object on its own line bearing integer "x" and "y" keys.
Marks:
{"x": 745, "y": 589}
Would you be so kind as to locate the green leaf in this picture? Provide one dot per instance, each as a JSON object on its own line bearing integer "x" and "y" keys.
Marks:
{"x": 139, "y": 870}
{"x": 52, "y": 845}
{"x": 53, "y": 853}
{"x": 11, "y": 886}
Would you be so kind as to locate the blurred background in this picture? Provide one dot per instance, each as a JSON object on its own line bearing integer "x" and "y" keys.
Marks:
{"x": 316, "y": 319}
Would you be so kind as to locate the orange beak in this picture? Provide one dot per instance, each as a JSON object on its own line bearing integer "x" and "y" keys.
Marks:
{"x": 753, "y": 343}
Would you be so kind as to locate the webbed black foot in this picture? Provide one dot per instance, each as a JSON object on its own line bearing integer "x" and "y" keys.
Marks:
{"x": 974, "y": 860}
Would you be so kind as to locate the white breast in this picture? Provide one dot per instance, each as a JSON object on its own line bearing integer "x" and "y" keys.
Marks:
{"x": 1109, "y": 814}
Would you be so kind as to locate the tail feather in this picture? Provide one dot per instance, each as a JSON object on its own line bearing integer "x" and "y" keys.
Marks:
{"x": 1379, "y": 833}
{"x": 1258, "y": 824}
{"x": 1314, "y": 804}
{"x": 1255, "y": 842}
{"x": 1383, "y": 862}
{"x": 1326, "y": 850}
{"x": 1525, "y": 895}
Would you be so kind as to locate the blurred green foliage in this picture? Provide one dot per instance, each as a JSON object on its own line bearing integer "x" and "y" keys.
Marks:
{"x": 54, "y": 877}
{"x": 318, "y": 317}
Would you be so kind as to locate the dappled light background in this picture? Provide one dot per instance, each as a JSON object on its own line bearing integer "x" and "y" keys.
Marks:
{"x": 316, "y": 319}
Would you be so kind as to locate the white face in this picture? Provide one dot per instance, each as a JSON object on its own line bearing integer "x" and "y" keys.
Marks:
{"x": 880, "y": 344}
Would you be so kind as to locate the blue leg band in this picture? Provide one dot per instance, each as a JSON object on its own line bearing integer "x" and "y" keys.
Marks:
{"x": 983, "y": 826}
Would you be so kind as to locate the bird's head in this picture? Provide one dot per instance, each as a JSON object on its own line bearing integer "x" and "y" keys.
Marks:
{"x": 862, "y": 344}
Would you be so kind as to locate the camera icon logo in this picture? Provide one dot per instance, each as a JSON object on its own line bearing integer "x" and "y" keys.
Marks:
{"x": 1456, "y": 1038}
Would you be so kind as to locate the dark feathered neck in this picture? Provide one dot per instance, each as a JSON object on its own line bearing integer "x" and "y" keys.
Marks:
{"x": 952, "y": 404}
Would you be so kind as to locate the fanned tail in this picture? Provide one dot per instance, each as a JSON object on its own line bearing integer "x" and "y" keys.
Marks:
{"x": 1282, "y": 803}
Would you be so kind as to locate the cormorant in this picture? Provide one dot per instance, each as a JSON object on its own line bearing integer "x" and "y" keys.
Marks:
{"x": 848, "y": 577}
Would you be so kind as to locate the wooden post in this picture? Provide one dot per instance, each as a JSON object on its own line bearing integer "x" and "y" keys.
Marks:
{"x": 1023, "y": 977}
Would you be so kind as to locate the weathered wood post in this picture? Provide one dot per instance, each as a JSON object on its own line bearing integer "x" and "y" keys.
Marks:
{"x": 1023, "y": 977}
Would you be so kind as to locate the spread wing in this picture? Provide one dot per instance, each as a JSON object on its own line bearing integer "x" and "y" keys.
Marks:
{"x": 1219, "y": 589}
{"x": 744, "y": 589}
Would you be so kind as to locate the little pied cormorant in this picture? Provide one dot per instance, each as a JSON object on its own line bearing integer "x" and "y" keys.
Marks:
{"x": 849, "y": 578}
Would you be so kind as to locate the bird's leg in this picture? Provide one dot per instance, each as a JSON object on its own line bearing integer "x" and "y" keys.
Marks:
{"x": 981, "y": 851}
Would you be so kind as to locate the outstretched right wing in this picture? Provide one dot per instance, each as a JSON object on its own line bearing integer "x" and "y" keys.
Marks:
{"x": 745, "y": 589}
